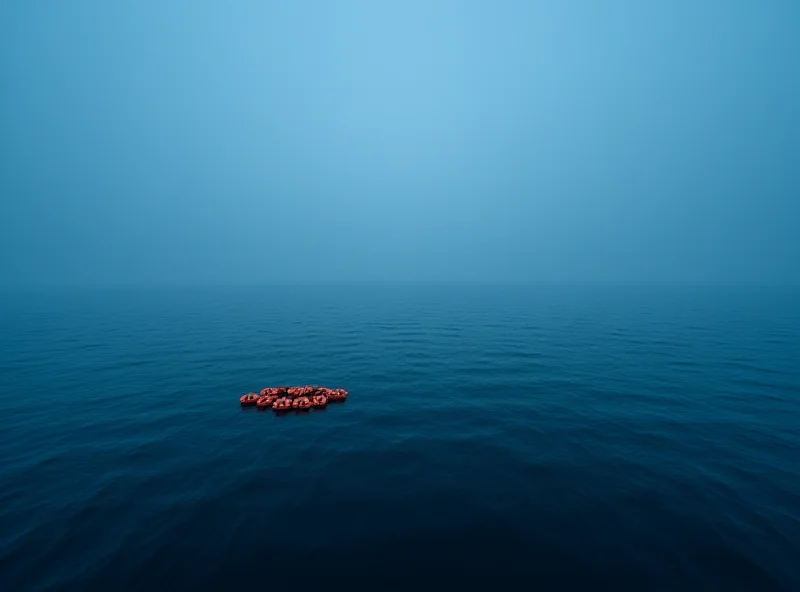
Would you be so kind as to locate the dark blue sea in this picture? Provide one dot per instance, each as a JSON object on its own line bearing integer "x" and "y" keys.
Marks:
{"x": 550, "y": 438}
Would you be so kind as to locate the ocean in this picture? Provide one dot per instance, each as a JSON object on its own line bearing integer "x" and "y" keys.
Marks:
{"x": 530, "y": 437}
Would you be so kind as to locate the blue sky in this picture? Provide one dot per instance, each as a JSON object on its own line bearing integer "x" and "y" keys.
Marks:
{"x": 251, "y": 142}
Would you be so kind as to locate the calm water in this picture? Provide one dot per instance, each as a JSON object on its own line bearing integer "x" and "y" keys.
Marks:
{"x": 642, "y": 438}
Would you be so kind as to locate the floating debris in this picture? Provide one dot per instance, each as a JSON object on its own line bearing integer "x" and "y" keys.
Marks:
{"x": 285, "y": 398}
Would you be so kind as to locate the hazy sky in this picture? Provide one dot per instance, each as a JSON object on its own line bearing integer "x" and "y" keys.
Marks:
{"x": 250, "y": 142}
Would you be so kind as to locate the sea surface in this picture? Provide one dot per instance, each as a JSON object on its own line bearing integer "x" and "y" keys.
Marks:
{"x": 537, "y": 437}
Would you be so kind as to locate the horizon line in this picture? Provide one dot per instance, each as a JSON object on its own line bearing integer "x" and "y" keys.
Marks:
{"x": 395, "y": 282}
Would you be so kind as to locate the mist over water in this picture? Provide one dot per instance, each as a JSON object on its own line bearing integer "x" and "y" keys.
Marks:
{"x": 551, "y": 249}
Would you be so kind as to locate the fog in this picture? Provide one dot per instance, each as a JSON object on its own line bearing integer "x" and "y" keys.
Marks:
{"x": 256, "y": 142}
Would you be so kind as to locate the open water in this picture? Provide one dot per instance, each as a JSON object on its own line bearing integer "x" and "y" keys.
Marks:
{"x": 495, "y": 437}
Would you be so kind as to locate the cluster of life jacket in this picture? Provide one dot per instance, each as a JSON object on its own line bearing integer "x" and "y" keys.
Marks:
{"x": 284, "y": 398}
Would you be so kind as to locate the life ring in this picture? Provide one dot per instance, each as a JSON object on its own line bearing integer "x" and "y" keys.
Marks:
{"x": 337, "y": 395}
{"x": 300, "y": 391}
{"x": 248, "y": 400}
{"x": 266, "y": 401}
{"x": 282, "y": 404}
{"x": 319, "y": 400}
{"x": 302, "y": 403}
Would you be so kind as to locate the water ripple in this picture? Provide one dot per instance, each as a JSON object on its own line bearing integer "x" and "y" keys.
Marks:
{"x": 579, "y": 439}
